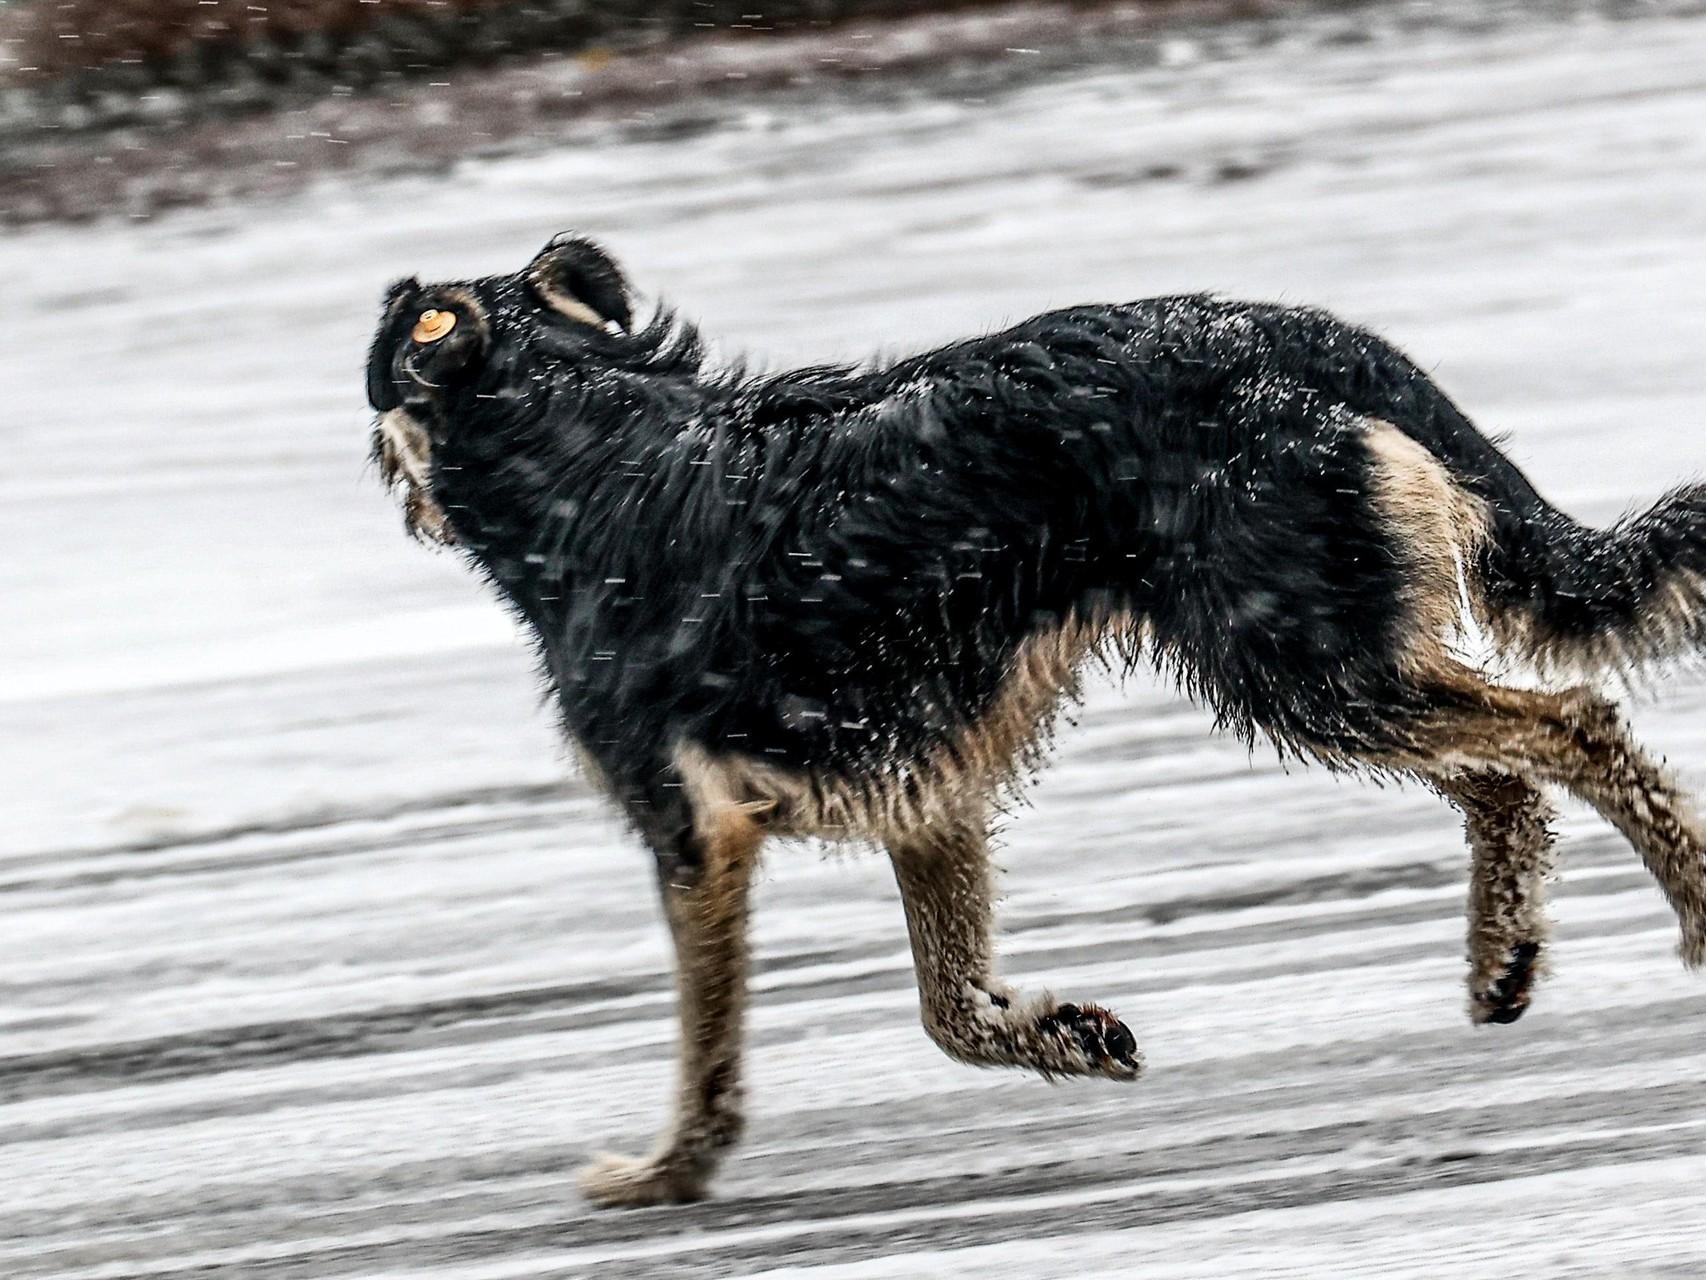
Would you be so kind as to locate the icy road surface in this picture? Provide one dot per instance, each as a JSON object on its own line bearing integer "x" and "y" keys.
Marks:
{"x": 312, "y": 966}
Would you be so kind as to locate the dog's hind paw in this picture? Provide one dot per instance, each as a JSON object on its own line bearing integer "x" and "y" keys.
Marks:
{"x": 1507, "y": 998}
{"x": 625, "y": 1182}
{"x": 1104, "y": 1043}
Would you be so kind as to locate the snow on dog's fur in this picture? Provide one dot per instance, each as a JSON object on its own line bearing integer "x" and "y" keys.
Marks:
{"x": 848, "y": 602}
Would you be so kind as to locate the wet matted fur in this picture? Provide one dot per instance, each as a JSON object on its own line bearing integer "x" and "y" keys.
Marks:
{"x": 848, "y": 602}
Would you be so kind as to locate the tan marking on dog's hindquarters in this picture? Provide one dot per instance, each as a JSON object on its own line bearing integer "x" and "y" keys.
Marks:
{"x": 1440, "y": 527}
{"x": 708, "y": 921}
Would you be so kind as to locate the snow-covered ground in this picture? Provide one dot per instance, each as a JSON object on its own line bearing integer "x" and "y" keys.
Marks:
{"x": 313, "y": 965}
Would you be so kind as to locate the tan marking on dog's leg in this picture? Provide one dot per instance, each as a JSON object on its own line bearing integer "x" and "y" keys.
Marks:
{"x": 1577, "y": 740}
{"x": 1599, "y": 762}
{"x": 708, "y": 921}
{"x": 1507, "y": 820}
{"x": 947, "y": 888}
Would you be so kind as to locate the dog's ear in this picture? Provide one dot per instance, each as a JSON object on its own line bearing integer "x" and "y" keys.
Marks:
{"x": 577, "y": 278}
{"x": 393, "y": 323}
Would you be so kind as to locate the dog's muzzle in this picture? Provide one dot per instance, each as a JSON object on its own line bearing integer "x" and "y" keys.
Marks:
{"x": 403, "y": 451}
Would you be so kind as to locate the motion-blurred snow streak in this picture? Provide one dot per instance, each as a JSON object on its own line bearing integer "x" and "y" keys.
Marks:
{"x": 313, "y": 968}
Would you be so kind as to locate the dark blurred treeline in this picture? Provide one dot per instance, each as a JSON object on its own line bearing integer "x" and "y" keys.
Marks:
{"x": 106, "y": 56}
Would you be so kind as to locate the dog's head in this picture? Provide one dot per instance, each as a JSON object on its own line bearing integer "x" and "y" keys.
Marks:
{"x": 444, "y": 352}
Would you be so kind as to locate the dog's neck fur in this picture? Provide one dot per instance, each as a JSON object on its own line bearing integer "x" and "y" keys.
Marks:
{"x": 612, "y": 471}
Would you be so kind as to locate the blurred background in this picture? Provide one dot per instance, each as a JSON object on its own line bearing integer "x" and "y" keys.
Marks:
{"x": 315, "y": 958}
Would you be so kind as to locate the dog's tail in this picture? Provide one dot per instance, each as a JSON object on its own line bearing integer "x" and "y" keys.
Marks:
{"x": 1571, "y": 597}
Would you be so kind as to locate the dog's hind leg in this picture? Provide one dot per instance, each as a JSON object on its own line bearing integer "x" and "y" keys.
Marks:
{"x": 946, "y": 886}
{"x": 705, "y": 898}
{"x": 1596, "y": 759}
{"x": 1578, "y": 740}
{"x": 1510, "y": 846}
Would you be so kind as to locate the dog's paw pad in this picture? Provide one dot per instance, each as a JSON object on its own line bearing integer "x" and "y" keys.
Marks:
{"x": 623, "y": 1182}
{"x": 1105, "y": 1041}
{"x": 1507, "y": 999}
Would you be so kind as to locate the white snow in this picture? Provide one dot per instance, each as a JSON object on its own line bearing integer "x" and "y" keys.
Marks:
{"x": 214, "y": 624}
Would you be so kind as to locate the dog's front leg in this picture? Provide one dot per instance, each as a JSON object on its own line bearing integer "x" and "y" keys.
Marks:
{"x": 946, "y": 885}
{"x": 704, "y": 891}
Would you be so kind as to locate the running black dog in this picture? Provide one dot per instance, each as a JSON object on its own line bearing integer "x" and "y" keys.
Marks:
{"x": 848, "y": 602}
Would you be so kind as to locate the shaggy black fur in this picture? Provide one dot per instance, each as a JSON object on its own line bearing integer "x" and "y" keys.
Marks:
{"x": 831, "y": 569}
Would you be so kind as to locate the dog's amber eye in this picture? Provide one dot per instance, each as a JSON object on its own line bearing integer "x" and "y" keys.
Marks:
{"x": 433, "y": 325}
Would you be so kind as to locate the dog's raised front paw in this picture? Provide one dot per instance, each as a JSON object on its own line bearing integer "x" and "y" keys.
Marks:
{"x": 626, "y": 1182}
{"x": 1105, "y": 1045}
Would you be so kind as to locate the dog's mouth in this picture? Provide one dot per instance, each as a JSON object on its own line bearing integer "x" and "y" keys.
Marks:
{"x": 402, "y": 450}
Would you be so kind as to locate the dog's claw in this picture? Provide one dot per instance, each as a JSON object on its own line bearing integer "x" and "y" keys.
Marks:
{"x": 1104, "y": 1040}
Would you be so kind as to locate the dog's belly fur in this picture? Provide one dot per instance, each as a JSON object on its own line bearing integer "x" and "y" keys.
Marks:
{"x": 985, "y": 756}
